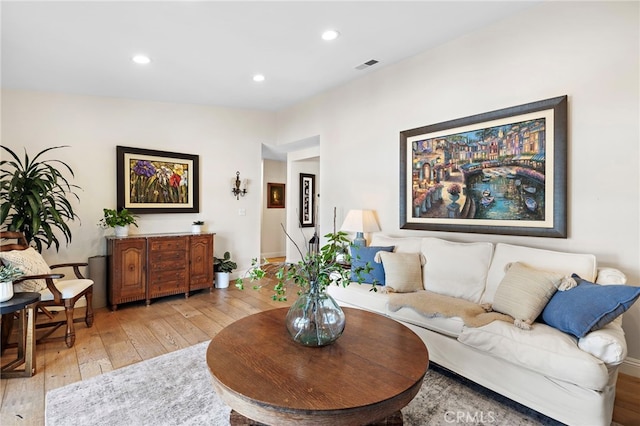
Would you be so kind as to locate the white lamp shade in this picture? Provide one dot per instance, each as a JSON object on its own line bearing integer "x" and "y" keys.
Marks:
{"x": 360, "y": 221}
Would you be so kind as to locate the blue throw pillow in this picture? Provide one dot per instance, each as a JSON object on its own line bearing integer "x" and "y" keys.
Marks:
{"x": 360, "y": 256}
{"x": 588, "y": 307}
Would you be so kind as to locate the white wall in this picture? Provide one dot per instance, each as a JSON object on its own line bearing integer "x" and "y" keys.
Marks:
{"x": 586, "y": 50}
{"x": 302, "y": 161}
{"x": 93, "y": 126}
{"x": 273, "y": 239}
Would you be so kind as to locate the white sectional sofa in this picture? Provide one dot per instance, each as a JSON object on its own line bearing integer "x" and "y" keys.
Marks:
{"x": 567, "y": 378}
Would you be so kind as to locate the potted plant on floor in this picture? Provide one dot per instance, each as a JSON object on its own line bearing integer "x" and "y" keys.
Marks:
{"x": 119, "y": 220}
{"x": 223, "y": 268}
{"x": 34, "y": 196}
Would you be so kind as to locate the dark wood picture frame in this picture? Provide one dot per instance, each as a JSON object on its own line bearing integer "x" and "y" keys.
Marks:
{"x": 151, "y": 181}
{"x": 276, "y": 195}
{"x": 307, "y": 200}
{"x": 508, "y": 169}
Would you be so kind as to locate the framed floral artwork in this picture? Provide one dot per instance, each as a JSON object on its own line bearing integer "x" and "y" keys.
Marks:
{"x": 150, "y": 181}
{"x": 499, "y": 172}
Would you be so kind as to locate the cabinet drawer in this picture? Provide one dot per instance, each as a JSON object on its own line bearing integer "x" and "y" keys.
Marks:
{"x": 167, "y": 244}
{"x": 159, "y": 258}
{"x": 175, "y": 275}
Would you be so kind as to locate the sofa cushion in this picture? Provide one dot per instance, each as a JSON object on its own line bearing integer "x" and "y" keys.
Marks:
{"x": 588, "y": 307}
{"x": 361, "y": 296}
{"x": 565, "y": 263}
{"x": 361, "y": 256}
{"x": 403, "y": 271}
{"x": 524, "y": 291}
{"x": 542, "y": 349}
{"x": 456, "y": 269}
{"x": 401, "y": 244}
{"x": 449, "y": 326}
{"x": 30, "y": 262}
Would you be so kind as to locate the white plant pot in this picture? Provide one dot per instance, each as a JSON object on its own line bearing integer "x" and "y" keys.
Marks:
{"x": 196, "y": 229}
{"x": 122, "y": 231}
{"x": 222, "y": 279}
{"x": 6, "y": 291}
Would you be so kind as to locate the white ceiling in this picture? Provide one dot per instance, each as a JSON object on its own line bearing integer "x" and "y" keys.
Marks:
{"x": 206, "y": 52}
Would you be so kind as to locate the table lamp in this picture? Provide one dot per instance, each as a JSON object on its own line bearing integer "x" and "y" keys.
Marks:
{"x": 360, "y": 221}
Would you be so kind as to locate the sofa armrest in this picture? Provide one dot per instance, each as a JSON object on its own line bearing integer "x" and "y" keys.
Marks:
{"x": 610, "y": 276}
{"x": 607, "y": 344}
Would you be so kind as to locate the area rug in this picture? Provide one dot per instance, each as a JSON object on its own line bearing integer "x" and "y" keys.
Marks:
{"x": 176, "y": 389}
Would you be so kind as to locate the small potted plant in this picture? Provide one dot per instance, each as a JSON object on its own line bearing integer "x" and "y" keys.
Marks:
{"x": 196, "y": 226}
{"x": 119, "y": 220}
{"x": 223, "y": 268}
{"x": 7, "y": 275}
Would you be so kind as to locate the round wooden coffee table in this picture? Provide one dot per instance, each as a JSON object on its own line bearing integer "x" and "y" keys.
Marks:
{"x": 368, "y": 374}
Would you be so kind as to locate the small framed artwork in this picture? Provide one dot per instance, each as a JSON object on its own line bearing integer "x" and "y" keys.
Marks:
{"x": 150, "y": 181}
{"x": 275, "y": 196}
{"x": 307, "y": 200}
{"x": 499, "y": 172}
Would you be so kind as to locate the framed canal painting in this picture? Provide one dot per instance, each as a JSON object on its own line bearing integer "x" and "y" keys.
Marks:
{"x": 152, "y": 181}
{"x": 500, "y": 172}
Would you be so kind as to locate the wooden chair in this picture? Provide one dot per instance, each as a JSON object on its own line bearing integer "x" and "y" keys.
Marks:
{"x": 63, "y": 294}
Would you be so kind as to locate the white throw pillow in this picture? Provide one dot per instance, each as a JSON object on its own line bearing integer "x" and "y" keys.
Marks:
{"x": 403, "y": 271}
{"x": 401, "y": 244}
{"x": 30, "y": 262}
{"x": 456, "y": 269}
{"x": 524, "y": 291}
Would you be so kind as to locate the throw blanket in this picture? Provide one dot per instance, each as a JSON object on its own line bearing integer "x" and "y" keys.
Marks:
{"x": 432, "y": 305}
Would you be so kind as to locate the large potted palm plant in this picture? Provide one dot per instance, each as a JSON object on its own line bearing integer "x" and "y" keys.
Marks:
{"x": 34, "y": 196}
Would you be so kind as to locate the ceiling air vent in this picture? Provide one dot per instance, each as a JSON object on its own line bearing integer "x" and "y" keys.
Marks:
{"x": 367, "y": 64}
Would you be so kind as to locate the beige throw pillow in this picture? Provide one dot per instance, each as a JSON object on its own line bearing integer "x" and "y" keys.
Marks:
{"x": 403, "y": 271}
{"x": 524, "y": 292}
{"x": 30, "y": 262}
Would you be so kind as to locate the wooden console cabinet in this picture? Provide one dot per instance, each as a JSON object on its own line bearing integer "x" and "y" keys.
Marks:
{"x": 144, "y": 267}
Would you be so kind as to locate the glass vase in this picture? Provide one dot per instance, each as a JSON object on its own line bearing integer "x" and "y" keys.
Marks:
{"x": 315, "y": 319}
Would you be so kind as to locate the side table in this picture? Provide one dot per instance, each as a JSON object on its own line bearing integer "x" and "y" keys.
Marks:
{"x": 26, "y": 304}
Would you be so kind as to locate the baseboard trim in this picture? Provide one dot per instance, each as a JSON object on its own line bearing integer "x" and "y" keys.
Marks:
{"x": 630, "y": 366}
{"x": 271, "y": 254}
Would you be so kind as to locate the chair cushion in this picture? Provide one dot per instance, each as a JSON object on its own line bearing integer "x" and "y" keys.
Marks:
{"x": 30, "y": 262}
{"x": 68, "y": 288}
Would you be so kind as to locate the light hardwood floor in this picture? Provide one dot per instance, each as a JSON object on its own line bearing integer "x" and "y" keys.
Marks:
{"x": 136, "y": 332}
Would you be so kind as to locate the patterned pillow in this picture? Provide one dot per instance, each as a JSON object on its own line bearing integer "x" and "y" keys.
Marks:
{"x": 403, "y": 271}
{"x": 524, "y": 291}
{"x": 30, "y": 262}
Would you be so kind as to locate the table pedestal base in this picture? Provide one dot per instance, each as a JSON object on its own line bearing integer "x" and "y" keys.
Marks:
{"x": 237, "y": 419}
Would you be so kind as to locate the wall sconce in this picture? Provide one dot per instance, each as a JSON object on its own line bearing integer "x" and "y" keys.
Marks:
{"x": 360, "y": 221}
{"x": 236, "y": 190}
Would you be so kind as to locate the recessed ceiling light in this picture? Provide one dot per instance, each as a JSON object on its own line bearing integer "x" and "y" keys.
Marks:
{"x": 330, "y": 35}
{"x": 141, "y": 59}
{"x": 258, "y": 77}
